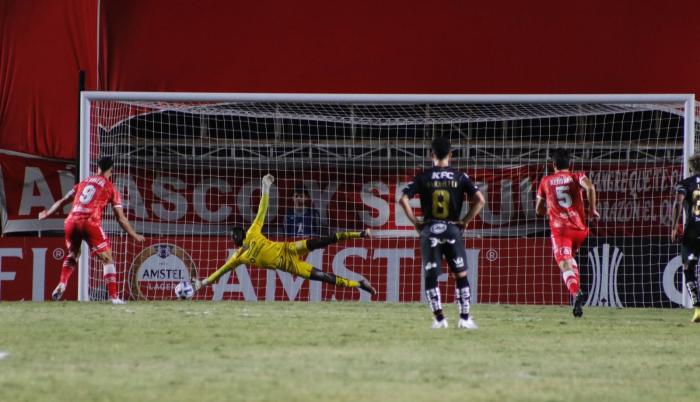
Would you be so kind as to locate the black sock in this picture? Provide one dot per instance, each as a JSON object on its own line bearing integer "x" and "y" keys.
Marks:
{"x": 463, "y": 295}
{"x": 318, "y": 275}
{"x": 315, "y": 244}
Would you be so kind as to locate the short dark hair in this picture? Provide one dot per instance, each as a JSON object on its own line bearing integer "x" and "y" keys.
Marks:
{"x": 440, "y": 147}
{"x": 561, "y": 158}
{"x": 694, "y": 163}
{"x": 238, "y": 235}
{"x": 300, "y": 191}
{"x": 105, "y": 163}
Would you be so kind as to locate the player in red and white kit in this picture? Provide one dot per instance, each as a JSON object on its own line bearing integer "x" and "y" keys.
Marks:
{"x": 85, "y": 223}
{"x": 562, "y": 194}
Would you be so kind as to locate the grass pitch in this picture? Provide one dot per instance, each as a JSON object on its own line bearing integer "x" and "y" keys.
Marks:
{"x": 183, "y": 351}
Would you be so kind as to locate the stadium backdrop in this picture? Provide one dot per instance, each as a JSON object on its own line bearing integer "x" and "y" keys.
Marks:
{"x": 591, "y": 47}
{"x": 27, "y": 264}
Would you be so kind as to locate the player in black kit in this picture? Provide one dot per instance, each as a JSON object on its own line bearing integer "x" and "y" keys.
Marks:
{"x": 688, "y": 198}
{"x": 442, "y": 191}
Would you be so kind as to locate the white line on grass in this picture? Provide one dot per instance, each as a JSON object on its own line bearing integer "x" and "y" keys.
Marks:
{"x": 3, "y": 354}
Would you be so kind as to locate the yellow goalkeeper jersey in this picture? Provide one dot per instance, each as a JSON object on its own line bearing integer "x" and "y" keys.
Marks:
{"x": 258, "y": 250}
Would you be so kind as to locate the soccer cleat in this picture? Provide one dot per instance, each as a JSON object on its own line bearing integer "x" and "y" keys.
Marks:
{"x": 58, "y": 292}
{"x": 578, "y": 305}
{"x": 439, "y": 324}
{"x": 366, "y": 233}
{"x": 196, "y": 284}
{"x": 467, "y": 324}
{"x": 117, "y": 301}
{"x": 696, "y": 316}
{"x": 364, "y": 285}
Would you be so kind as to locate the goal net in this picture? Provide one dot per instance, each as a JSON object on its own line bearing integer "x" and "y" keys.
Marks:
{"x": 189, "y": 168}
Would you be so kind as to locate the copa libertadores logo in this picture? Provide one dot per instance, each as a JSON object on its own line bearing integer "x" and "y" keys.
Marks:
{"x": 604, "y": 261}
{"x": 157, "y": 269}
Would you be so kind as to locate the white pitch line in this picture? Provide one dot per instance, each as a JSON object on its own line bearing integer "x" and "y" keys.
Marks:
{"x": 3, "y": 354}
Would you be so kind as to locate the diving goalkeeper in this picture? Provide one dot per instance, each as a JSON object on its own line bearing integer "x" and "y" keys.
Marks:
{"x": 256, "y": 249}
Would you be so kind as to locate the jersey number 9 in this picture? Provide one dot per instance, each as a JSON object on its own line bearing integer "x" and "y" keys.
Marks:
{"x": 87, "y": 194}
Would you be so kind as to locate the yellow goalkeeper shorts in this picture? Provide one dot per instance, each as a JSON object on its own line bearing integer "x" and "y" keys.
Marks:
{"x": 291, "y": 259}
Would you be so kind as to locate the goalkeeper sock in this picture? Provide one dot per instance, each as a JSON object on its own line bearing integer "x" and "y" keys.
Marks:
{"x": 463, "y": 295}
{"x": 110, "y": 276}
{"x": 571, "y": 280}
{"x": 315, "y": 244}
{"x": 340, "y": 281}
{"x": 435, "y": 303}
{"x": 69, "y": 265}
{"x": 348, "y": 235}
{"x": 318, "y": 275}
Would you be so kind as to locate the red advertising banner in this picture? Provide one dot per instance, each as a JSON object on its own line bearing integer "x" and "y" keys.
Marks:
{"x": 30, "y": 268}
{"x": 28, "y": 185}
{"x": 500, "y": 270}
{"x": 634, "y": 199}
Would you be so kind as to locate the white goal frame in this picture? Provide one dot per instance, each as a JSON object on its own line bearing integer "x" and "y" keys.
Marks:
{"x": 688, "y": 100}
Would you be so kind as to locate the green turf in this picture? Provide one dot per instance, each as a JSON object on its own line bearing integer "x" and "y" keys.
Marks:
{"x": 181, "y": 351}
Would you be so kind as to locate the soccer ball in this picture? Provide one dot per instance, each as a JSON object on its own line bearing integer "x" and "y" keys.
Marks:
{"x": 184, "y": 291}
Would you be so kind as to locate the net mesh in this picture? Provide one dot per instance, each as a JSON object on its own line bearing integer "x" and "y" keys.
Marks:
{"x": 190, "y": 171}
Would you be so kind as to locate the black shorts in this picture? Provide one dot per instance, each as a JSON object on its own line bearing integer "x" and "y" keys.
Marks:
{"x": 690, "y": 245}
{"x": 438, "y": 239}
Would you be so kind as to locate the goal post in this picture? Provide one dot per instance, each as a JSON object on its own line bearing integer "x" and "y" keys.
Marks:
{"x": 189, "y": 167}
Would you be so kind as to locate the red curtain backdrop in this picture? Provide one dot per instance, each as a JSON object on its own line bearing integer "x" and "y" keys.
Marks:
{"x": 548, "y": 46}
{"x": 43, "y": 45}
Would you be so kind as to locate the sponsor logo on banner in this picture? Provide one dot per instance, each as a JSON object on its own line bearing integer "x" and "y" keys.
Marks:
{"x": 604, "y": 263}
{"x": 157, "y": 269}
{"x": 633, "y": 200}
{"x": 672, "y": 271}
{"x": 30, "y": 268}
{"x": 619, "y": 271}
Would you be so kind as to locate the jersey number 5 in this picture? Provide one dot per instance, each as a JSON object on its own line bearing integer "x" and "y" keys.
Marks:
{"x": 441, "y": 204}
{"x": 563, "y": 197}
{"x": 87, "y": 194}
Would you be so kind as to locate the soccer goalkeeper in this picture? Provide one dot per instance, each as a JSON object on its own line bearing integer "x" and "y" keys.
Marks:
{"x": 256, "y": 249}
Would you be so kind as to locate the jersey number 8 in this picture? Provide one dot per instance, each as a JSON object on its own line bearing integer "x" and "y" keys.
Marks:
{"x": 441, "y": 204}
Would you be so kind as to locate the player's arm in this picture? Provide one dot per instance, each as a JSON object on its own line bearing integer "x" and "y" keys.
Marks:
{"x": 405, "y": 201}
{"x": 592, "y": 196}
{"x": 58, "y": 204}
{"x": 228, "y": 265}
{"x": 267, "y": 181}
{"x": 676, "y": 227}
{"x": 124, "y": 223}
{"x": 116, "y": 200}
{"x": 540, "y": 206}
{"x": 541, "y": 203}
{"x": 477, "y": 202}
